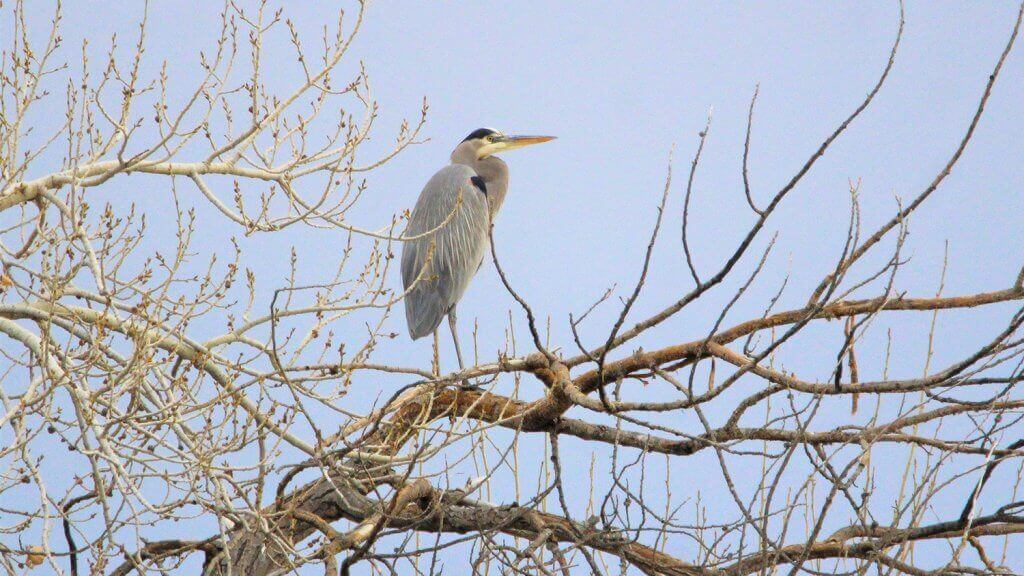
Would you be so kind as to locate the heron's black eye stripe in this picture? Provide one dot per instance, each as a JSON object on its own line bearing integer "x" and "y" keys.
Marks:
{"x": 479, "y": 183}
{"x": 479, "y": 133}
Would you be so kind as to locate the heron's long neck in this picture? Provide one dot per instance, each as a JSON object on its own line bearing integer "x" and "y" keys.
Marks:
{"x": 492, "y": 169}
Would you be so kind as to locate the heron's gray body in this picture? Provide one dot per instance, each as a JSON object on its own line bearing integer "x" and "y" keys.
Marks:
{"x": 458, "y": 246}
{"x": 450, "y": 226}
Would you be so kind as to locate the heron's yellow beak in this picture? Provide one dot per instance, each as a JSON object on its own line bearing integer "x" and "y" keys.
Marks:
{"x": 506, "y": 143}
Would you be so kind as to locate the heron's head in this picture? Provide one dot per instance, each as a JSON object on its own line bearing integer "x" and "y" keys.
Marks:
{"x": 486, "y": 142}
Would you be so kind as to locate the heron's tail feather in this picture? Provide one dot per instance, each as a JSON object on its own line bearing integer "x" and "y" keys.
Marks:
{"x": 424, "y": 312}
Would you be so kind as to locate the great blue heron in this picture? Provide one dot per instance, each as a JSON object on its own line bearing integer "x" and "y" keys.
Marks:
{"x": 439, "y": 279}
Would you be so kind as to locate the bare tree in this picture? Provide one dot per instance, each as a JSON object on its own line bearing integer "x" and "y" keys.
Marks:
{"x": 153, "y": 385}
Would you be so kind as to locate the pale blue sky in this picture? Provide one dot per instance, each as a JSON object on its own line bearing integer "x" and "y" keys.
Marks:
{"x": 619, "y": 84}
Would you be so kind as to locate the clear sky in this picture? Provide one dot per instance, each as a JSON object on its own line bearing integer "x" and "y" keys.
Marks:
{"x": 620, "y": 84}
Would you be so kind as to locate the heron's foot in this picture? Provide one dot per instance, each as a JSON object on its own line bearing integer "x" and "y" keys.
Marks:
{"x": 466, "y": 386}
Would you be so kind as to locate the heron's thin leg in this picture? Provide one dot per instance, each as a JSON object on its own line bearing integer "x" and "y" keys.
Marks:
{"x": 455, "y": 336}
{"x": 436, "y": 362}
{"x": 458, "y": 352}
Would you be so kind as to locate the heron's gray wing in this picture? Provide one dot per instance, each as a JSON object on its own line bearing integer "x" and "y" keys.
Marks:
{"x": 459, "y": 246}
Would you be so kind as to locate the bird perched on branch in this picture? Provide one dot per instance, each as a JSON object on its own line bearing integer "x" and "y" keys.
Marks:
{"x": 450, "y": 229}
